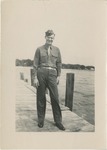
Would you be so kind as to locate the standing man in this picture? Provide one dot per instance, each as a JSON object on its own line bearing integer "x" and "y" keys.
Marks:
{"x": 47, "y": 66}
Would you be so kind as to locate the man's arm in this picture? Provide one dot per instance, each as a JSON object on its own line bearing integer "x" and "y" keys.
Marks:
{"x": 59, "y": 63}
{"x": 36, "y": 62}
{"x": 59, "y": 66}
{"x": 35, "y": 66}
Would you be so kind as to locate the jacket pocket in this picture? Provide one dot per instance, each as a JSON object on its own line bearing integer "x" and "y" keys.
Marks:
{"x": 54, "y": 53}
{"x": 43, "y": 57}
{"x": 54, "y": 56}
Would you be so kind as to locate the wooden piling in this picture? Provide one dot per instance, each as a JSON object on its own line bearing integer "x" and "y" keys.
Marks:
{"x": 21, "y": 76}
{"x": 69, "y": 90}
{"x": 32, "y": 76}
{"x": 26, "y": 80}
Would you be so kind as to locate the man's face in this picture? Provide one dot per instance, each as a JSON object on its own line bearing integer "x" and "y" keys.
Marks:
{"x": 49, "y": 39}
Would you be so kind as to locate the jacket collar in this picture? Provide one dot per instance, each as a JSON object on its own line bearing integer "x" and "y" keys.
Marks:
{"x": 46, "y": 46}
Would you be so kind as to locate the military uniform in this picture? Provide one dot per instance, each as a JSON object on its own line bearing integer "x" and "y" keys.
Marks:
{"x": 47, "y": 66}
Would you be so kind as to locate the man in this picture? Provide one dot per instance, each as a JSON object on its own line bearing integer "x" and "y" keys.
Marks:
{"x": 47, "y": 66}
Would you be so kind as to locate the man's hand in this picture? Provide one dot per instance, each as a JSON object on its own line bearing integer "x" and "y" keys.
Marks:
{"x": 58, "y": 78}
{"x": 36, "y": 82}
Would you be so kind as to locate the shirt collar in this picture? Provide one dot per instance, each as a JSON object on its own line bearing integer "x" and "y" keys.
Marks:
{"x": 46, "y": 47}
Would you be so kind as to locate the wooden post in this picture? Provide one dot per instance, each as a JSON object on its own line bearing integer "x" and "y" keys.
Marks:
{"x": 69, "y": 90}
{"x": 31, "y": 74}
{"x": 26, "y": 80}
{"x": 32, "y": 77}
{"x": 21, "y": 76}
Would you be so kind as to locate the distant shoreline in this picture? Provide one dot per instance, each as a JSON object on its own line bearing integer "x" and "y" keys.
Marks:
{"x": 29, "y": 63}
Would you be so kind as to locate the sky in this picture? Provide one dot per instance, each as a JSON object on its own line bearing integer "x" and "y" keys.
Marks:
{"x": 76, "y": 25}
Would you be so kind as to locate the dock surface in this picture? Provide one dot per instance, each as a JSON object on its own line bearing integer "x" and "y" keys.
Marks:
{"x": 26, "y": 113}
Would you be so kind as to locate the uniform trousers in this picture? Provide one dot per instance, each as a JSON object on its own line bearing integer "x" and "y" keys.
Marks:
{"x": 48, "y": 79}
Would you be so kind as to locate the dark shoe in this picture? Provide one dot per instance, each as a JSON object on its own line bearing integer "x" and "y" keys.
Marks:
{"x": 40, "y": 125}
{"x": 60, "y": 126}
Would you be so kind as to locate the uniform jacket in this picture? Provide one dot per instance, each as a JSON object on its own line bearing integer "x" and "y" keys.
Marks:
{"x": 42, "y": 59}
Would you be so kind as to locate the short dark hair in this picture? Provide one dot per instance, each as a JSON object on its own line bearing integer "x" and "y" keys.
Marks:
{"x": 49, "y": 33}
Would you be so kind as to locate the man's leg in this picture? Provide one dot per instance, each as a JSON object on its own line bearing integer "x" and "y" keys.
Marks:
{"x": 41, "y": 98}
{"x": 52, "y": 84}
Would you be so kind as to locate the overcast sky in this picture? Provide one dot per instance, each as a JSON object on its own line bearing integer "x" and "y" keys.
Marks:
{"x": 75, "y": 24}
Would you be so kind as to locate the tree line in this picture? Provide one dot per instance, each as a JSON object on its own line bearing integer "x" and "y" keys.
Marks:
{"x": 29, "y": 62}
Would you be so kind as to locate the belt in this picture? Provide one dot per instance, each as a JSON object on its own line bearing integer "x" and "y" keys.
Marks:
{"x": 50, "y": 68}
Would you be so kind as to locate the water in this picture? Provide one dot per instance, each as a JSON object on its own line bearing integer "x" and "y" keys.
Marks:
{"x": 83, "y": 99}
